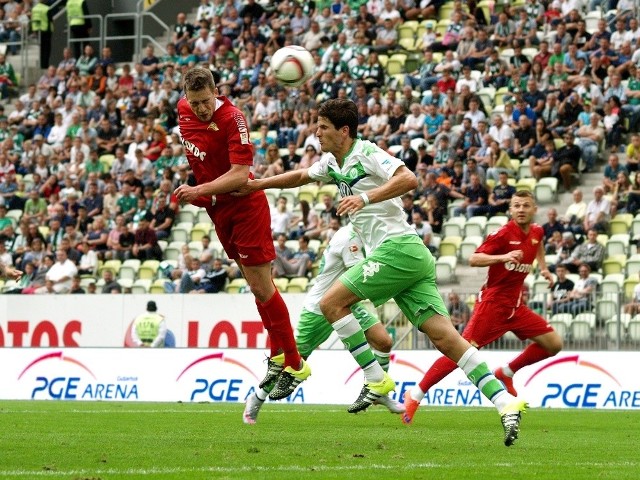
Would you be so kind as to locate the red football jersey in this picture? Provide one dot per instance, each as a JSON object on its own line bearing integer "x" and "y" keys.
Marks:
{"x": 211, "y": 147}
{"x": 504, "y": 280}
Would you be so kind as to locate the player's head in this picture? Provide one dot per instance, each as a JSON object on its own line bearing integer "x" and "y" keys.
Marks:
{"x": 201, "y": 92}
{"x": 523, "y": 207}
{"x": 341, "y": 114}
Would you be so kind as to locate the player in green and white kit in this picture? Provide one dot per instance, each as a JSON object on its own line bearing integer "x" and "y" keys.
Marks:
{"x": 397, "y": 266}
{"x": 343, "y": 251}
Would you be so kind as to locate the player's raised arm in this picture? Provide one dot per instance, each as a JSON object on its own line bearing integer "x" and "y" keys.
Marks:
{"x": 291, "y": 179}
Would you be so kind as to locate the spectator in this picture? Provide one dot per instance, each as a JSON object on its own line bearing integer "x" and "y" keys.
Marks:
{"x": 58, "y": 277}
{"x": 458, "y": 310}
{"x": 281, "y": 218}
{"x": 560, "y": 292}
{"x": 566, "y": 161}
{"x": 598, "y": 212}
{"x": 150, "y": 328}
{"x": 88, "y": 264}
{"x": 552, "y": 224}
{"x": 611, "y": 171}
{"x": 633, "y": 307}
{"x": 145, "y": 246}
{"x": 163, "y": 218}
{"x": 582, "y": 297}
{"x": 298, "y": 265}
{"x": 475, "y": 195}
{"x": 591, "y": 253}
{"x": 573, "y": 218}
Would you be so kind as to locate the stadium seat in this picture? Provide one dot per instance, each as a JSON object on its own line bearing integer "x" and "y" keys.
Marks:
{"x": 632, "y": 266}
{"x": 468, "y": 246}
{"x": 281, "y": 284}
{"x": 129, "y": 269}
{"x": 453, "y": 227}
{"x": 475, "y": 226}
{"x": 495, "y": 223}
{"x": 546, "y": 189}
{"x": 272, "y": 195}
{"x": 605, "y": 310}
{"x": 328, "y": 189}
{"x": 309, "y": 193}
{"x": 633, "y": 329}
{"x": 621, "y": 223}
{"x": 449, "y": 246}
{"x": 157, "y": 287}
{"x": 291, "y": 194}
{"x": 582, "y": 326}
{"x": 173, "y": 250}
{"x": 202, "y": 216}
{"x": 141, "y": 285}
{"x": 148, "y": 269}
{"x": 113, "y": 265}
{"x": 187, "y": 214}
{"x": 560, "y": 322}
{"x": 614, "y": 264}
{"x": 237, "y": 285}
{"x": 394, "y": 66}
{"x": 618, "y": 244}
{"x": 181, "y": 232}
{"x": 446, "y": 269}
{"x": 612, "y": 284}
{"x": 628, "y": 286}
{"x": 528, "y": 184}
{"x": 200, "y": 230}
{"x": 297, "y": 285}
{"x": 406, "y": 32}
{"x": 613, "y": 326}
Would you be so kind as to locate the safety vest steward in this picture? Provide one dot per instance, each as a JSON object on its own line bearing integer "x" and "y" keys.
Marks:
{"x": 147, "y": 326}
{"x": 74, "y": 12}
{"x": 39, "y": 18}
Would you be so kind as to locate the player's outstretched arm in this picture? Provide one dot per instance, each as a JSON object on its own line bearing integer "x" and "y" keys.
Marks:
{"x": 291, "y": 179}
{"x": 486, "y": 260}
{"x": 230, "y": 181}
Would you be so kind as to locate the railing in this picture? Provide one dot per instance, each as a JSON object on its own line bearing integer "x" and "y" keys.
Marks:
{"x": 8, "y": 45}
{"x": 99, "y": 38}
{"x": 604, "y": 325}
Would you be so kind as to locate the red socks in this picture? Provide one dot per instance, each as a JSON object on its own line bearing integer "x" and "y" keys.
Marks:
{"x": 275, "y": 318}
{"x": 440, "y": 369}
{"x": 530, "y": 355}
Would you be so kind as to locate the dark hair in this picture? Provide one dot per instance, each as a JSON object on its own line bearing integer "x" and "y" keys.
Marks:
{"x": 341, "y": 113}
{"x": 199, "y": 78}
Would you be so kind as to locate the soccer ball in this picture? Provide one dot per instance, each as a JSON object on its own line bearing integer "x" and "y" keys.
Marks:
{"x": 292, "y": 65}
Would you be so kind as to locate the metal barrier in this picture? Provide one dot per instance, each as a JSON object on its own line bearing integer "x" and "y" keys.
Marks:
{"x": 602, "y": 325}
{"x": 99, "y": 38}
{"x": 8, "y": 45}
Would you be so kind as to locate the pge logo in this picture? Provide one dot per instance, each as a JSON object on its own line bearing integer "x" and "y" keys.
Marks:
{"x": 70, "y": 379}
{"x": 225, "y": 386}
{"x": 591, "y": 385}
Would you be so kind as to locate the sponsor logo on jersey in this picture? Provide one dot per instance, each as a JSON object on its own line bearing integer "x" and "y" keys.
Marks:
{"x": 242, "y": 128}
{"x": 353, "y": 248}
{"x": 517, "y": 267}
{"x": 194, "y": 149}
{"x": 514, "y": 242}
{"x": 213, "y": 126}
{"x": 243, "y": 255}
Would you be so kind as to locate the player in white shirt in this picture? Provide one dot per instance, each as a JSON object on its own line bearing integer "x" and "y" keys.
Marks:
{"x": 343, "y": 251}
{"x": 398, "y": 265}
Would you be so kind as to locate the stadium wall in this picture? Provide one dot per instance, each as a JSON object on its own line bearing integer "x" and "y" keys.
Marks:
{"x": 571, "y": 380}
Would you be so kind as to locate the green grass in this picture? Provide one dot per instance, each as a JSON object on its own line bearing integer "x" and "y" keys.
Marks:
{"x": 101, "y": 440}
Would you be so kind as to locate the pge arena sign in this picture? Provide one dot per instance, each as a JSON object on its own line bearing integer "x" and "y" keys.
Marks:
{"x": 58, "y": 376}
{"x": 586, "y": 380}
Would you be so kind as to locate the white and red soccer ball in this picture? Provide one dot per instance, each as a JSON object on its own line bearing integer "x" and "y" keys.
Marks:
{"x": 292, "y": 65}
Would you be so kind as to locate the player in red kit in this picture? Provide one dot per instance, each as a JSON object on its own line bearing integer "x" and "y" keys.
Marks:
{"x": 509, "y": 253}
{"x": 216, "y": 141}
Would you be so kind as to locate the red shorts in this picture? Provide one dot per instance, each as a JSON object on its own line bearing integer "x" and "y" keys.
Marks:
{"x": 243, "y": 225}
{"x": 490, "y": 320}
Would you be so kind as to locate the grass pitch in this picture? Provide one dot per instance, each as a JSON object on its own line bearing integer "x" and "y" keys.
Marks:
{"x": 78, "y": 440}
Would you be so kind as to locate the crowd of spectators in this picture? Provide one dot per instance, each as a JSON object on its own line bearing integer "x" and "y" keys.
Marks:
{"x": 90, "y": 152}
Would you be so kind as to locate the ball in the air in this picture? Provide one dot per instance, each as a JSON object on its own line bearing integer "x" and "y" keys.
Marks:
{"x": 292, "y": 65}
